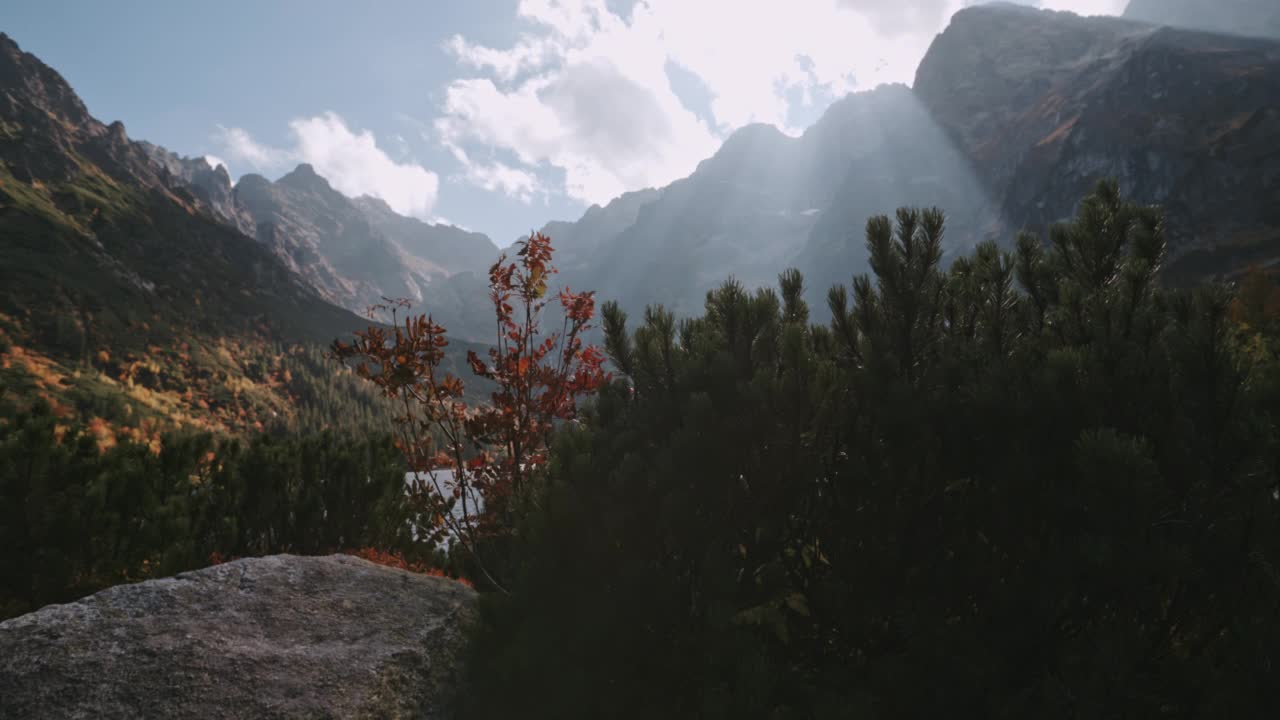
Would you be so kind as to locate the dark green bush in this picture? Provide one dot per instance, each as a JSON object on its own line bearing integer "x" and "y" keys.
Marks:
{"x": 75, "y": 518}
{"x": 1034, "y": 484}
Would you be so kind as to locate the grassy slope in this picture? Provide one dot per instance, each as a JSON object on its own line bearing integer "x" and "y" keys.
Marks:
{"x": 125, "y": 307}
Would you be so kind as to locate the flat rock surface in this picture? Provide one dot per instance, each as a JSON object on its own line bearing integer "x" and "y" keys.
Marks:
{"x": 275, "y": 637}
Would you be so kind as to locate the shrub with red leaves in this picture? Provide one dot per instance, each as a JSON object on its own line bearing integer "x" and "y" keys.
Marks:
{"x": 491, "y": 449}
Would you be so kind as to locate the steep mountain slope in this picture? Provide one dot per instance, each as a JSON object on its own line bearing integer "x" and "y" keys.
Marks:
{"x": 1014, "y": 115}
{"x": 82, "y": 204}
{"x": 356, "y": 252}
{"x": 1252, "y": 18}
{"x": 121, "y": 295}
{"x": 450, "y": 249}
{"x": 576, "y": 241}
{"x": 1044, "y": 104}
{"x": 211, "y": 185}
{"x": 900, "y": 157}
{"x": 766, "y": 201}
{"x": 324, "y": 238}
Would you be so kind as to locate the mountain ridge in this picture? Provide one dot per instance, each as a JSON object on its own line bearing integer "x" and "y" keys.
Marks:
{"x": 357, "y": 252}
{"x": 1014, "y": 113}
{"x": 124, "y": 300}
{"x": 1183, "y": 119}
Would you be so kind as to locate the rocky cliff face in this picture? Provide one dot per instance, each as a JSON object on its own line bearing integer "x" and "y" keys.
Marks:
{"x": 324, "y": 238}
{"x": 1250, "y": 18}
{"x": 281, "y": 636}
{"x": 356, "y": 252}
{"x": 58, "y": 135}
{"x": 1045, "y": 104}
{"x": 92, "y": 227}
{"x": 210, "y": 185}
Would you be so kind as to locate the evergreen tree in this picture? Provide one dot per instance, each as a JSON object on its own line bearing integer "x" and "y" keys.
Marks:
{"x": 1033, "y": 483}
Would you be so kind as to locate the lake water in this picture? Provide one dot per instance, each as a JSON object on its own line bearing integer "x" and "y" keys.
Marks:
{"x": 445, "y": 479}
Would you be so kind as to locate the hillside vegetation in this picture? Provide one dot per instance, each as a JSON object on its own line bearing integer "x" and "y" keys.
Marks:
{"x": 1035, "y": 484}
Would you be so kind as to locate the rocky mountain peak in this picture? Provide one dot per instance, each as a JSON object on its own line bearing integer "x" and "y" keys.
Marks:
{"x": 211, "y": 186}
{"x": 369, "y": 203}
{"x": 305, "y": 170}
{"x": 251, "y": 181}
{"x": 304, "y": 177}
{"x": 1045, "y": 104}
{"x": 25, "y": 79}
{"x": 116, "y": 132}
{"x": 750, "y": 144}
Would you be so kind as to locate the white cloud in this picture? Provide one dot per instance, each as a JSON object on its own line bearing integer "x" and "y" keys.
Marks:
{"x": 500, "y": 177}
{"x": 1087, "y": 7}
{"x": 214, "y": 161}
{"x": 351, "y": 161}
{"x": 354, "y": 165}
{"x": 527, "y": 54}
{"x": 585, "y": 90}
{"x": 441, "y": 220}
{"x": 240, "y": 145}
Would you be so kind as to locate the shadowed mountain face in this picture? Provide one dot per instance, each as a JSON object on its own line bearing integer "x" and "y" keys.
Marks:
{"x": 1014, "y": 115}
{"x": 92, "y": 228}
{"x": 576, "y": 242}
{"x": 448, "y": 249}
{"x": 766, "y": 201}
{"x": 212, "y": 186}
{"x": 324, "y": 238}
{"x": 1045, "y": 104}
{"x": 128, "y": 301}
{"x": 1251, "y": 18}
{"x": 901, "y": 157}
{"x": 356, "y": 252}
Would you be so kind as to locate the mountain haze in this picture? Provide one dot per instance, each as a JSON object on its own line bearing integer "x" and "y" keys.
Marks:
{"x": 211, "y": 185}
{"x": 1254, "y": 18}
{"x": 1015, "y": 113}
{"x": 767, "y": 201}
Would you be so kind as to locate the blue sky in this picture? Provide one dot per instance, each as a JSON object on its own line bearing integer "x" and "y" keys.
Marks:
{"x": 496, "y": 115}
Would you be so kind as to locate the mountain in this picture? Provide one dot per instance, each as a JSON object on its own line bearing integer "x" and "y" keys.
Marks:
{"x": 575, "y": 242}
{"x": 1253, "y": 18}
{"x": 766, "y": 201}
{"x": 899, "y": 156}
{"x": 447, "y": 248}
{"x": 1014, "y": 115}
{"x": 326, "y": 239}
{"x": 211, "y": 185}
{"x": 1045, "y": 104}
{"x": 83, "y": 205}
{"x": 356, "y": 252}
{"x": 123, "y": 296}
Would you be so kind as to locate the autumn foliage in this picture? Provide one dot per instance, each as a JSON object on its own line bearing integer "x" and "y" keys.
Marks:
{"x": 489, "y": 450}
{"x": 392, "y": 559}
